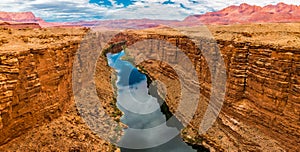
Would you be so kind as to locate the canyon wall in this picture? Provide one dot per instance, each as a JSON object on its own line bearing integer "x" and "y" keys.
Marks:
{"x": 268, "y": 77}
{"x": 35, "y": 80}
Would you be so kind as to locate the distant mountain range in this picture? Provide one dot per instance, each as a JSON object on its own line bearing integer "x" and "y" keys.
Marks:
{"x": 231, "y": 15}
{"x": 250, "y": 14}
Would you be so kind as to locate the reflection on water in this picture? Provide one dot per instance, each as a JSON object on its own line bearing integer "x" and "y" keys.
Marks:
{"x": 141, "y": 110}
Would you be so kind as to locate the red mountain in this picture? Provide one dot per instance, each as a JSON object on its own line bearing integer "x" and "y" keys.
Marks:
{"x": 20, "y": 19}
{"x": 249, "y": 14}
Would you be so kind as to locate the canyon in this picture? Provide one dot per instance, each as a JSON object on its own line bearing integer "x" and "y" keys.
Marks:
{"x": 261, "y": 108}
{"x": 260, "y": 111}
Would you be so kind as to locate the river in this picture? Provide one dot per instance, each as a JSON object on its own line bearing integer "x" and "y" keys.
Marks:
{"x": 143, "y": 109}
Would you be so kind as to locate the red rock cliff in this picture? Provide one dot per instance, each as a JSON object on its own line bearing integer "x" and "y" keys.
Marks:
{"x": 35, "y": 80}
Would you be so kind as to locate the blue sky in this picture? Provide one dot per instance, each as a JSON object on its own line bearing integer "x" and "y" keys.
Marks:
{"x": 76, "y": 10}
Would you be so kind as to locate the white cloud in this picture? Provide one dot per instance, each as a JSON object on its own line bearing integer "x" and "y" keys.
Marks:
{"x": 72, "y": 10}
{"x": 153, "y": 11}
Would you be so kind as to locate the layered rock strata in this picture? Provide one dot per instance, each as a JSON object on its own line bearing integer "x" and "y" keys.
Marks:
{"x": 35, "y": 78}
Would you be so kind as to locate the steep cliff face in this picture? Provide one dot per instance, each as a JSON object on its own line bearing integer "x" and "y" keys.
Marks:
{"x": 35, "y": 79}
{"x": 268, "y": 78}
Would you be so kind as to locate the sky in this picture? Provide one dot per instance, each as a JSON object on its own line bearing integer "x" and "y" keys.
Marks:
{"x": 77, "y": 10}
